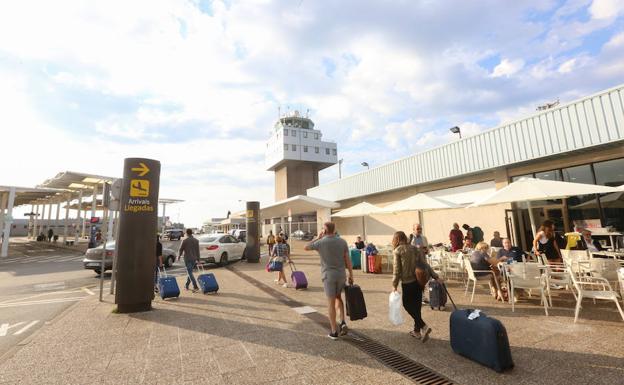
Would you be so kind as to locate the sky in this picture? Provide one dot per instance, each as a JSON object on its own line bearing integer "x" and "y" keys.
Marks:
{"x": 197, "y": 84}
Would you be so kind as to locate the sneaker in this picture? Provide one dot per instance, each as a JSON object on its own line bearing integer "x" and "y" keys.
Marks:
{"x": 186, "y": 287}
{"x": 276, "y": 281}
{"x": 333, "y": 336}
{"x": 415, "y": 334}
{"x": 285, "y": 284}
{"x": 195, "y": 290}
{"x": 555, "y": 286}
{"x": 343, "y": 328}
{"x": 425, "y": 333}
{"x": 155, "y": 289}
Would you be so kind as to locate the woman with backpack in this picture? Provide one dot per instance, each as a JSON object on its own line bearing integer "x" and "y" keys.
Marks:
{"x": 413, "y": 271}
{"x": 281, "y": 253}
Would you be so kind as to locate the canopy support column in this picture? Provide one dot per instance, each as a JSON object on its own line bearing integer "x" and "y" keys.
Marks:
{"x": 81, "y": 222}
{"x": 66, "y": 221}
{"x": 36, "y": 225}
{"x": 8, "y": 220}
{"x": 4, "y": 197}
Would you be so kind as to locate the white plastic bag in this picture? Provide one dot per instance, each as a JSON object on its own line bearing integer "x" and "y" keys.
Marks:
{"x": 394, "y": 304}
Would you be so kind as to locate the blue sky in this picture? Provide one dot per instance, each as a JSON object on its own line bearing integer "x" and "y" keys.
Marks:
{"x": 197, "y": 84}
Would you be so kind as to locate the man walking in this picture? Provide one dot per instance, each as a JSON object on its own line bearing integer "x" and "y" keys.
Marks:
{"x": 190, "y": 249}
{"x": 334, "y": 253}
{"x": 270, "y": 241}
{"x": 417, "y": 239}
{"x": 159, "y": 262}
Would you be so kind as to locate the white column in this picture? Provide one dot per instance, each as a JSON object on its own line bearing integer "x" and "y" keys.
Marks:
{"x": 80, "y": 223}
{"x": 322, "y": 215}
{"x": 8, "y": 220}
{"x": 162, "y": 227}
{"x": 49, "y": 217}
{"x": 35, "y": 232}
{"x": 31, "y": 223}
{"x": 4, "y": 197}
{"x": 94, "y": 201}
{"x": 66, "y": 221}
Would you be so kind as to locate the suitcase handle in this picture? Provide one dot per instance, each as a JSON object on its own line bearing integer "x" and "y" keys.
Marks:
{"x": 449, "y": 296}
{"x": 200, "y": 266}
{"x": 164, "y": 272}
{"x": 292, "y": 266}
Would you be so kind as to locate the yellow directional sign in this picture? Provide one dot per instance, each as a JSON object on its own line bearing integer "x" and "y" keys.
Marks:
{"x": 139, "y": 188}
{"x": 142, "y": 170}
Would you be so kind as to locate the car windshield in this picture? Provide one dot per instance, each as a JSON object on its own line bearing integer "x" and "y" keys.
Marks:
{"x": 207, "y": 239}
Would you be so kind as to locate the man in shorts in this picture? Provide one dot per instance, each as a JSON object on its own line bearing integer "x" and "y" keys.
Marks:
{"x": 334, "y": 253}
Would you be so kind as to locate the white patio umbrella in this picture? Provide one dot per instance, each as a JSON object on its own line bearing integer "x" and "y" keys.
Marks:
{"x": 363, "y": 210}
{"x": 531, "y": 189}
{"x": 420, "y": 201}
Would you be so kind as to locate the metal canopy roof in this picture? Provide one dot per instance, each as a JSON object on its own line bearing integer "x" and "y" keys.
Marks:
{"x": 75, "y": 181}
{"x": 168, "y": 200}
{"x": 26, "y": 195}
{"x": 299, "y": 204}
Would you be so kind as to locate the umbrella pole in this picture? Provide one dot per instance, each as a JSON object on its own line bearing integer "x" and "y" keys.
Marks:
{"x": 364, "y": 228}
{"x": 532, "y": 219}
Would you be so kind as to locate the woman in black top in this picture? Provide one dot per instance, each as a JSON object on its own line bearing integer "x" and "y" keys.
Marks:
{"x": 359, "y": 243}
{"x": 545, "y": 242}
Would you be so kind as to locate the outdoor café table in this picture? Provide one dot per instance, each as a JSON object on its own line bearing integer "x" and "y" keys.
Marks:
{"x": 610, "y": 254}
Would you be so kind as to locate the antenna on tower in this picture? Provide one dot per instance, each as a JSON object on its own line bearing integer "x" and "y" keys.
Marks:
{"x": 307, "y": 113}
{"x": 279, "y": 112}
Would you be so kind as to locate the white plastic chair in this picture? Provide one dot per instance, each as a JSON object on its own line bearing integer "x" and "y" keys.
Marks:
{"x": 594, "y": 288}
{"x": 453, "y": 265}
{"x": 528, "y": 277}
{"x": 605, "y": 268}
{"x": 621, "y": 281}
{"x": 473, "y": 277}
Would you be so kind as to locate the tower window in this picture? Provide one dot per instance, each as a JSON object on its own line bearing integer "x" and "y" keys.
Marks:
{"x": 316, "y": 136}
{"x": 327, "y": 151}
{"x": 286, "y": 132}
{"x": 334, "y": 151}
{"x": 285, "y": 147}
{"x": 316, "y": 150}
{"x": 305, "y": 148}
{"x": 294, "y": 133}
{"x": 294, "y": 147}
{"x": 305, "y": 134}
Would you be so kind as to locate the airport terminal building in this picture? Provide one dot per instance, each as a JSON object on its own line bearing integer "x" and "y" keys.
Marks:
{"x": 581, "y": 141}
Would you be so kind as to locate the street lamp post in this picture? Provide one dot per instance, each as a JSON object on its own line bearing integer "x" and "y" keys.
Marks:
{"x": 340, "y": 168}
{"x": 456, "y": 130}
{"x": 365, "y": 164}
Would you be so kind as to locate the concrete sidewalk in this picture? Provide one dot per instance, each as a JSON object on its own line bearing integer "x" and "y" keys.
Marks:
{"x": 238, "y": 336}
{"x": 243, "y": 335}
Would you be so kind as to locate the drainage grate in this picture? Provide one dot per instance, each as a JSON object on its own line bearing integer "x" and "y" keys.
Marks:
{"x": 400, "y": 363}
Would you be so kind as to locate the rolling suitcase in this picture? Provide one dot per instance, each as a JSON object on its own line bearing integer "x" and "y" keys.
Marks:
{"x": 374, "y": 264}
{"x": 482, "y": 339}
{"x": 437, "y": 295}
{"x": 207, "y": 281}
{"x": 354, "y": 299}
{"x": 356, "y": 258}
{"x": 298, "y": 278}
{"x": 167, "y": 286}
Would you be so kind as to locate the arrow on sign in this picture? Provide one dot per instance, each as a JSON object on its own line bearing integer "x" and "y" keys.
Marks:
{"x": 143, "y": 170}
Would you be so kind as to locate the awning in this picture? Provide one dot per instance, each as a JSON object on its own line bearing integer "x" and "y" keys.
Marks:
{"x": 299, "y": 204}
{"x": 420, "y": 201}
{"x": 28, "y": 195}
{"x": 70, "y": 180}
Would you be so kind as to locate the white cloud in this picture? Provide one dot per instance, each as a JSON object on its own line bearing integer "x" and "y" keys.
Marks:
{"x": 507, "y": 67}
{"x": 606, "y": 9}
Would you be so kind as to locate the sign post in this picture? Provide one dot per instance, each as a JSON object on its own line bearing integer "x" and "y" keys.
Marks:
{"x": 252, "y": 249}
{"x": 136, "y": 239}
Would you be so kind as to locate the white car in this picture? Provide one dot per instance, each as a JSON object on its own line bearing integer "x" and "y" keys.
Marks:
{"x": 220, "y": 248}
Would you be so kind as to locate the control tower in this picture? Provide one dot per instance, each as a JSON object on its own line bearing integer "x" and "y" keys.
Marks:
{"x": 296, "y": 153}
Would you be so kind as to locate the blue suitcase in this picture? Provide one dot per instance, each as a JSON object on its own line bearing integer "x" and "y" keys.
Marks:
{"x": 356, "y": 258}
{"x": 207, "y": 281}
{"x": 483, "y": 339}
{"x": 167, "y": 286}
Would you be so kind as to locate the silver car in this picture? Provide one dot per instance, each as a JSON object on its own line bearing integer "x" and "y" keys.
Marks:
{"x": 93, "y": 258}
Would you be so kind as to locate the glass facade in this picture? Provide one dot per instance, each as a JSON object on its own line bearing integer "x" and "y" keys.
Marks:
{"x": 605, "y": 209}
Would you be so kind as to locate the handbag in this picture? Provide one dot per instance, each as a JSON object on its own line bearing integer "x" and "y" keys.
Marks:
{"x": 276, "y": 264}
{"x": 422, "y": 277}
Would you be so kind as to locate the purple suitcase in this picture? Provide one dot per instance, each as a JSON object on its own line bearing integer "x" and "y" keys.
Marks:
{"x": 298, "y": 278}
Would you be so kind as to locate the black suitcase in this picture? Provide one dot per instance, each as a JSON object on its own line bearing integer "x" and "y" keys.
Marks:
{"x": 483, "y": 339}
{"x": 437, "y": 294}
{"x": 356, "y": 307}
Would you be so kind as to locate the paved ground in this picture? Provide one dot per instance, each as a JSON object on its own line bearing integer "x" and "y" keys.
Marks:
{"x": 243, "y": 335}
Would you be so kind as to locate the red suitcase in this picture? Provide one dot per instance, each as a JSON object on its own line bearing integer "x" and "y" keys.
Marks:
{"x": 374, "y": 264}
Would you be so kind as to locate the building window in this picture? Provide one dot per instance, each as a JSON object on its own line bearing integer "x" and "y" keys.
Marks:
{"x": 316, "y": 150}
{"x": 611, "y": 173}
{"x": 581, "y": 207}
{"x": 327, "y": 151}
{"x": 334, "y": 151}
{"x": 305, "y": 148}
{"x": 293, "y": 132}
{"x": 316, "y": 136}
{"x": 286, "y": 147}
{"x": 305, "y": 134}
{"x": 294, "y": 147}
{"x": 286, "y": 132}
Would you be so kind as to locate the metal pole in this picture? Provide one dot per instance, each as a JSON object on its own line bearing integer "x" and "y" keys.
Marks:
{"x": 80, "y": 220}
{"x": 56, "y": 222}
{"x": 31, "y": 223}
{"x": 49, "y": 217}
{"x": 533, "y": 229}
{"x": 36, "y": 223}
{"x": 106, "y": 236}
{"x": 66, "y": 220}
{"x": 162, "y": 231}
{"x": 114, "y": 273}
{"x": 8, "y": 220}
{"x": 3, "y": 203}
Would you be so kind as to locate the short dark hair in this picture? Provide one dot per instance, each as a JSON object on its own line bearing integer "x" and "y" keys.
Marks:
{"x": 330, "y": 227}
{"x": 465, "y": 227}
{"x": 189, "y": 231}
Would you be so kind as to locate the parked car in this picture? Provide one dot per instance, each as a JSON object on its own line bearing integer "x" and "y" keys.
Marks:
{"x": 302, "y": 235}
{"x": 239, "y": 234}
{"x": 93, "y": 258}
{"x": 173, "y": 234}
{"x": 220, "y": 248}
